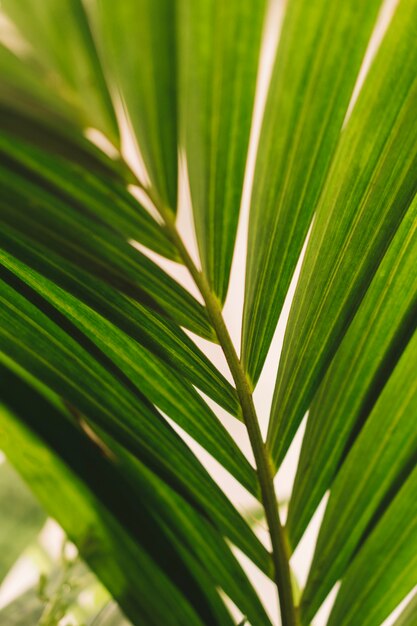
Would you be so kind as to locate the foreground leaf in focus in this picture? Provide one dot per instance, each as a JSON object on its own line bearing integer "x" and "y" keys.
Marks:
{"x": 219, "y": 45}
{"x": 367, "y": 355}
{"x": 371, "y": 184}
{"x": 384, "y": 570}
{"x": 320, "y": 51}
{"x": 380, "y": 460}
{"x": 163, "y": 338}
{"x": 152, "y": 378}
{"x": 98, "y": 390}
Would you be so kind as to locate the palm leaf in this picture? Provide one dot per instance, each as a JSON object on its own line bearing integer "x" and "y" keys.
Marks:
{"x": 213, "y": 71}
{"x": 317, "y": 63}
{"x": 76, "y": 66}
{"x": 145, "y": 77}
{"x": 103, "y": 350}
{"x": 88, "y": 516}
{"x": 46, "y": 349}
{"x": 363, "y": 364}
{"x": 368, "y": 191}
{"x": 384, "y": 570}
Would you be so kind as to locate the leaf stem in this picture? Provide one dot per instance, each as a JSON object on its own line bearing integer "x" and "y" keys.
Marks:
{"x": 279, "y": 541}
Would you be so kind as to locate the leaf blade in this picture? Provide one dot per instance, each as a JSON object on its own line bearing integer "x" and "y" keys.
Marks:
{"x": 360, "y": 210}
{"x": 219, "y": 44}
{"x": 373, "y": 472}
{"x": 76, "y": 64}
{"x": 365, "y": 359}
{"x": 319, "y": 54}
{"x": 145, "y": 76}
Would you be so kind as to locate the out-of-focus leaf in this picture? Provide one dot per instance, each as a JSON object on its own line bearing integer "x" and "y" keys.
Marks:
{"x": 137, "y": 40}
{"x": 385, "y": 569}
{"x": 366, "y": 357}
{"x": 23, "y": 88}
{"x": 372, "y": 181}
{"x": 100, "y": 197}
{"x": 219, "y": 44}
{"x": 21, "y": 518}
{"x": 321, "y": 48}
{"x": 160, "y": 336}
{"x": 64, "y": 139}
{"x": 97, "y": 389}
{"x": 378, "y": 463}
{"x": 75, "y": 68}
{"x": 149, "y": 374}
{"x": 111, "y": 530}
{"x": 63, "y": 228}
{"x": 186, "y": 525}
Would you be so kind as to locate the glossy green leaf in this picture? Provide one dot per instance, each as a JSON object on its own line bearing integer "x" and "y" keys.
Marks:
{"x": 137, "y": 40}
{"x": 62, "y": 138}
{"x": 112, "y": 532}
{"x": 183, "y": 525}
{"x": 372, "y": 181}
{"x": 97, "y": 389}
{"x": 65, "y": 229}
{"x": 105, "y": 199}
{"x": 320, "y": 51}
{"x": 365, "y": 359}
{"x": 155, "y": 380}
{"x": 23, "y": 88}
{"x": 74, "y": 67}
{"x": 385, "y": 569}
{"x": 187, "y": 525}
{"x": 218, "y": 51}
{"x": 21, "y": 518}
{"x": 158, "y": 335}
{"x": 379, "y": 461}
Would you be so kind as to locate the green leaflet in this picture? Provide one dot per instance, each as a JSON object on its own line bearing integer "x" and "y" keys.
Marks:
{"x": 377, "y": 464}
{"x": 23, "y": 88}
{"x": 385, "y": 569}
{"x": 63, "y": 139}
{"x": 218, "y": 50}
{"x": 371, "y": 184}
{"x": 21, "y": 518}
{"x": 100, "y": 197}
{"x": 187, "y": 526}
{"x": 94, "y": 387}
{"x": 366, "y": 357}
{"x": 64, "y": 229}
{"x": 319, "y": 55}
{"x": 74, "y": 67}
{"x": 156, "y": 381}
{"x": 137, "y": 40}
{"x": 113, "y": 533}
{"x": 163, "y": 338}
